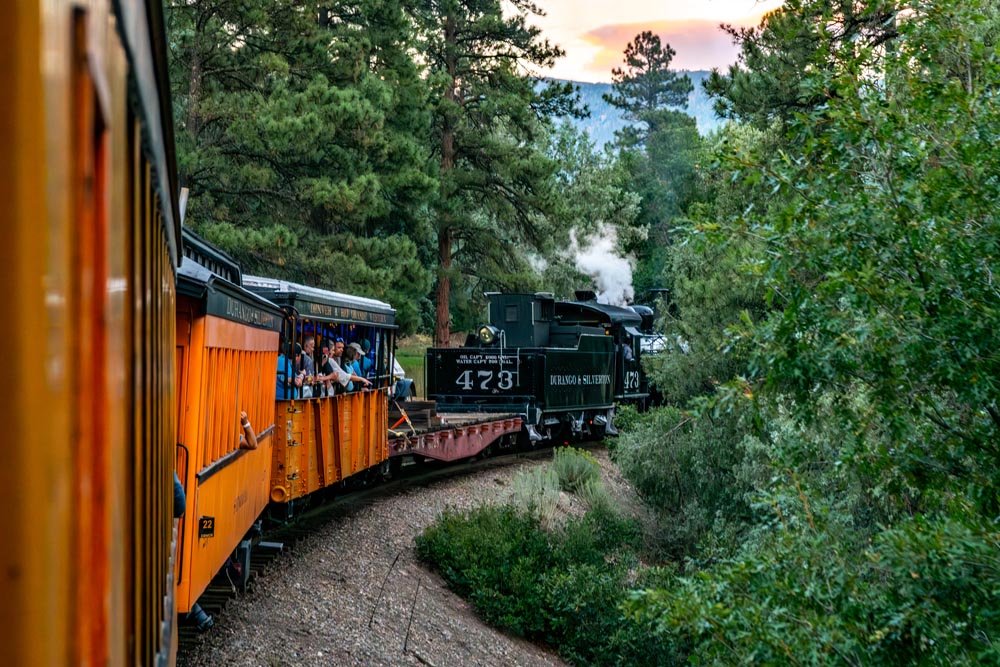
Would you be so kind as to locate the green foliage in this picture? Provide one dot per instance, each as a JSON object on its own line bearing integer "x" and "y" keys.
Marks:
{"x": 849, "y": 293}
{"x": 924, "y": 592}
{"x": 783, "y": 61}
{"x": 574, "y": 468}
{"x": 627, "y": 417}
{"x": 299, "y": 138}
{"x": 658, "y": 151}
{"x": 584, "y": 601}
{"x": 662, "y": 172}
{"x": 698, "y": 471}
{"x": 564, "y": 587}
{"x": 715, "y": 280}
{"x": 595, "y": 198}
{"x": 496, "y": 557}
{"x": 595, "y": 494}
{"x": 883, "y": 280}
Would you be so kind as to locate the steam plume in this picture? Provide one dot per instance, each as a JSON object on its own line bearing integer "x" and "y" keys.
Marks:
{"x": 598, "y": 257}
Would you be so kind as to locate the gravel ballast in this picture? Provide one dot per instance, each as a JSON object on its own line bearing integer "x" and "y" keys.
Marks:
{"x": 313, "y": 606}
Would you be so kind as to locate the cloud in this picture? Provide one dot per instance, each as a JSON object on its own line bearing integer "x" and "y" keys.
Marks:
{"x": 699, "y": 43}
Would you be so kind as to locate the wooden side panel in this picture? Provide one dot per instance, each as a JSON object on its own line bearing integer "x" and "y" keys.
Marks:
{"x": 34, "y": 563}
{"x": 152, "y": 417}
{"x": 320, "y": 442}
{"x": 230, "y": 368}
{"x": 88, "y": 530}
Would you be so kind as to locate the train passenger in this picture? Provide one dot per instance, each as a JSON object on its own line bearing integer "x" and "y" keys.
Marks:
{"x": 349, "y": 364}
{"x": 366, "y": 362}
{"x": 338, "y": 357}
{"x": 288, "y": 380}
{"x": 341, "y": 375}
{"x": 325, "y": 372}
{"x": 309, "y": 366}
{"x": 358, "y": 355}
{"x": 180, "y": 498}
{"x": 198, "y": 616}
{"x": 248, "y": 439}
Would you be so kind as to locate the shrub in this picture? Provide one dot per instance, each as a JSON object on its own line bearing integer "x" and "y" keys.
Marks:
{"x": 496, "y": 557}
{"x": 536, "y": 492}
{"x": 565, "y": 587}
{"x": 595, "y": 494}
{"x": 699, "y": 472}
{"x": 925, "y": 592}
{"x": 627, "y": 417}
{"x": 584, "y": 603}
{"x": 574, "y": 468}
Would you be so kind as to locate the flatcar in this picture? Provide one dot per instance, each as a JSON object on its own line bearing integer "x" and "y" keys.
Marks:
{"x": 561, "y": 365}
{"x": 91, "y": 222}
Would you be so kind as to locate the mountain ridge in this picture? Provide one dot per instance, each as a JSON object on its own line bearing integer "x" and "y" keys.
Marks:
{"x": 605, "y": 120}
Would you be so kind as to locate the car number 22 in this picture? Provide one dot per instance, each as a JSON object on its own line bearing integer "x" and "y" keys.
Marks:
{"x": 484, "y": 380}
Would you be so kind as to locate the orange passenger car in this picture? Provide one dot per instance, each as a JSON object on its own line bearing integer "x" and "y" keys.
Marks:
{"x": 322, "y": 441}
{"x": 227, "y": 341}
{"x": 90, "y": 224}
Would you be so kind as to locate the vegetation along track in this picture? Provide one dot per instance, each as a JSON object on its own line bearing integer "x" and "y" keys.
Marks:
{"x": 280, "y": 538}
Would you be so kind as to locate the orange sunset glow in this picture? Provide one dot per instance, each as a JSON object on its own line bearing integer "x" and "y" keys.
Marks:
{"x": 594, "y": 34}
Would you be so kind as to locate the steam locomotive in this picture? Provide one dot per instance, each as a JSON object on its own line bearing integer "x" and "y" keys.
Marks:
{"x": 562, "y": 366}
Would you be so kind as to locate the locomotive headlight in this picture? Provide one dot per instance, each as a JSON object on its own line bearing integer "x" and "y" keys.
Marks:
{"x": 488, "y": 334}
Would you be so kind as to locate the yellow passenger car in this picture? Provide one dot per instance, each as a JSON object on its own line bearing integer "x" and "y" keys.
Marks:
{"x": 90, "y": 225}
{"x": 227, "y": 342}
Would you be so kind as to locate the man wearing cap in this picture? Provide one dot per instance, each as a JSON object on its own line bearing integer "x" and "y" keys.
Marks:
{"x": 343, "y": 375}
{"x": 350, "y": 361}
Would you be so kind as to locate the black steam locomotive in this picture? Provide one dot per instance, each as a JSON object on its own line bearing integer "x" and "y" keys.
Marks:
{"x": 562, "y": 365}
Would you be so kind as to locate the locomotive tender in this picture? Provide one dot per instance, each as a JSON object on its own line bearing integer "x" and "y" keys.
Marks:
{"x": 561, "y": 365}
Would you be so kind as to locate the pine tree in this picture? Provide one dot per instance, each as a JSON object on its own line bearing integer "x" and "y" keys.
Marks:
{"x": 489, "y": 111}
{"x": 659, "y": 150}
{"x": 646, "y": 86}
{"x": 302, "y": 133}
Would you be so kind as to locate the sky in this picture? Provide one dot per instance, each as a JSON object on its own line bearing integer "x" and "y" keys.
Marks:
{"x": 594, "y": 32}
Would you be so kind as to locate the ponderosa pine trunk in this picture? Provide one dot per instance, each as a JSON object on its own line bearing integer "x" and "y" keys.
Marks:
{"x": 442, "y": 313}
{"x": 442, "y": 328}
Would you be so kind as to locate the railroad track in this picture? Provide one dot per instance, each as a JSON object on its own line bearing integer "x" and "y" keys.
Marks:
{"x": 280, "y": 539}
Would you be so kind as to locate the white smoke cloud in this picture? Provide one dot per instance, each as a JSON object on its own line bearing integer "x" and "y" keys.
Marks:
{"x": 597, "y": 256}
{"x": 538, "y": 263}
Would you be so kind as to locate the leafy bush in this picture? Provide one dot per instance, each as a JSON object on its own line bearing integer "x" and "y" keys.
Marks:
{"x": 926, "y": 592}
{"x": 598, "y": 537}
{"x": 595, "y": 494}
{"x": 565, "y": 587}
{"x": 698, "y": 471}
{"x": 496, "y": 557}
{"x": 627, "y": 417}
{"x": 585, "y": 607}
{"x": 574, "y": 467}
